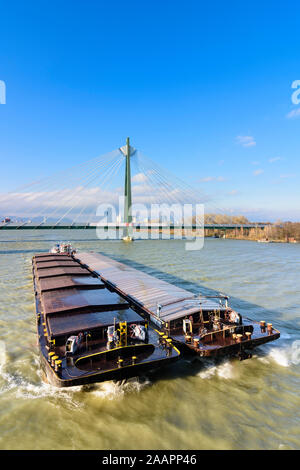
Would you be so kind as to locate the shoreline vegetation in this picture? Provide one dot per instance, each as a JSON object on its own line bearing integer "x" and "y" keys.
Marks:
{"x": 278, "y": 232}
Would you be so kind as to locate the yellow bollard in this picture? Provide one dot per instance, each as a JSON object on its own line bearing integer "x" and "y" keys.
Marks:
{"x": 50, "y": 354}
{"x": 53, "y": 359}
{"x": 58, "y": 365}
{"x": 120, "y": 363}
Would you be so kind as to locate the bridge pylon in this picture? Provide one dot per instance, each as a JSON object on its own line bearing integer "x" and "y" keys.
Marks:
{"x": 128, "y": 151}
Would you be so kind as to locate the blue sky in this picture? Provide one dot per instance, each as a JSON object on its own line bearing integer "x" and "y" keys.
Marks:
{"x": 204, "y": 89}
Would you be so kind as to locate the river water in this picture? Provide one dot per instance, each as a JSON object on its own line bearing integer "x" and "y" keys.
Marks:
{"x": 253, "y": 404}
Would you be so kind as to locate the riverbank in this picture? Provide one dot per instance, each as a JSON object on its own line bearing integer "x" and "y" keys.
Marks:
{"x": 281, "y": 232}
{"x": 259, "y": 240}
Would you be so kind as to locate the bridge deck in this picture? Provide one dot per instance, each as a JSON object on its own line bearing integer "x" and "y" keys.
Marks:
{"x": 145, "y": 290}
{"x": 32, "y": 226}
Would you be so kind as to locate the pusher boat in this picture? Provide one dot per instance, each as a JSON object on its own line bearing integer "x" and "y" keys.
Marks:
{"x": 63, "y": 248}
{"x": 86, "y": 332}
{"x": 210, "y": 327}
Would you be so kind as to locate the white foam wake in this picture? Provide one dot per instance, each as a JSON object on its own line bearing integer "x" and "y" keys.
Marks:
{"x": 287, "y": 355}
{"x": 23, "y": 388}
{"x": 113, "y": 390}
{"x": 224, "y": 371}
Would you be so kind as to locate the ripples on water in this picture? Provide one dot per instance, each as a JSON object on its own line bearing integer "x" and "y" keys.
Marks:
{"x": 192, "y": 404}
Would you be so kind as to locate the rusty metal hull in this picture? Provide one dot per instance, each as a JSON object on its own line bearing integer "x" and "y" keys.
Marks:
{"x": 239, "y": 350}
{"x": 115, "y": 374}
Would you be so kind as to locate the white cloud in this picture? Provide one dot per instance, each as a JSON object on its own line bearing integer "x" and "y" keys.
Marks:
{"x": 207, "y": 179}
{"x": 81, "y": 203}
{"x": 258, "y": 172}
{"x": 142, "y": 189}
{"x": 288, "y": 175}
{"x": 275, "y": 159}
{"x": 295, "y": 113}
{"x": 245, "y": 140}
{"x": 56, "y": 202}
{"x": 233, "y": 192}
{"x": 139, "y": 178}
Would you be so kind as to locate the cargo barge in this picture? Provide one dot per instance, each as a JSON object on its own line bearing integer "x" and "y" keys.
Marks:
{"x": 86, "y": 332}
{"x": 200, "y": 325}
{"x": 99, "y": 319}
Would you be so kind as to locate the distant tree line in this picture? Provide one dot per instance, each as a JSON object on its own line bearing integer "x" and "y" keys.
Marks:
{"x": 225, "y": 219}
{"x": 278, "y": 231}
{"x": 283, "y": 231}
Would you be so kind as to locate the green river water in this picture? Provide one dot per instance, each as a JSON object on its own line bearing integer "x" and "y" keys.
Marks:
{"x": 253, "y": 404}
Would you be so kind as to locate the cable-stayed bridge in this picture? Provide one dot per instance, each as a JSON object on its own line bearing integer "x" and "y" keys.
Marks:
{"x": 94, "y": 194}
